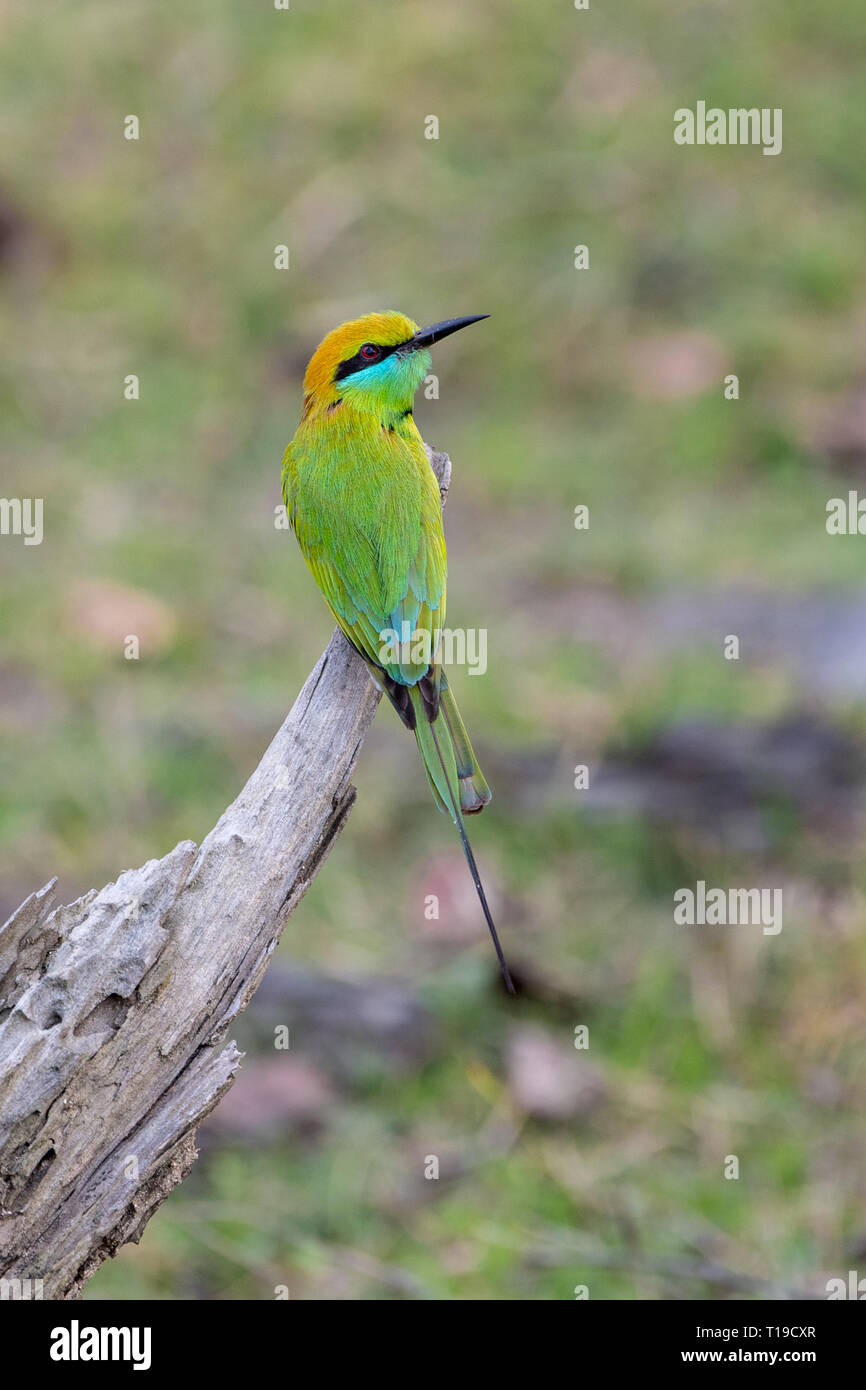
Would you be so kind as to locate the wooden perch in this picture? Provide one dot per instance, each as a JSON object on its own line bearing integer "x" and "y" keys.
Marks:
{"x": 113, "y": 1008}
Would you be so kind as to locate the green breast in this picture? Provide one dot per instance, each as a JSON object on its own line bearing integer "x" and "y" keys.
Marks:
{"x": 365, "y": 507}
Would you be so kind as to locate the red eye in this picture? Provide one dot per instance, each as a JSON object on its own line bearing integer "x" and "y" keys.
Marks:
{"x": 369, "y": 352}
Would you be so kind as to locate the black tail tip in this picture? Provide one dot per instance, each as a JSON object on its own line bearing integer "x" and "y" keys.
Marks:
{"x": 507, "y": 980}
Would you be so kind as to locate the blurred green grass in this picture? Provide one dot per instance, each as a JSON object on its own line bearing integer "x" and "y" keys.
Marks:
{"x": 156, "y": 258}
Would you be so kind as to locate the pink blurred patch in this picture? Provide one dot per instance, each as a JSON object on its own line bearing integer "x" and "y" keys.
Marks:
{"x": 548, "y": 1079}
{"x": 271, "y": 1094}
{"x": 105, "y": 614}
{"x": 673, "y": 366}
{"x": 446, "y": 878}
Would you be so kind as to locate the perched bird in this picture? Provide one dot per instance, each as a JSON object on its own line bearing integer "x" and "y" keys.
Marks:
{"x": 365, "y": 507}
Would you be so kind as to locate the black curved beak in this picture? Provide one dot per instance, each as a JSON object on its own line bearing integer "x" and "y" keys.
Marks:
{"x": 426, "y": 337}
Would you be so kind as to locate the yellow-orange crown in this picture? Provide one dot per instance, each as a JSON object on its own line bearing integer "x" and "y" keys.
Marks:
{"x": 342, "y": 343}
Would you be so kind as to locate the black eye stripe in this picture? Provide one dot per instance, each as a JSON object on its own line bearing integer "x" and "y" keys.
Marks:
{"x": 358, "y": 362}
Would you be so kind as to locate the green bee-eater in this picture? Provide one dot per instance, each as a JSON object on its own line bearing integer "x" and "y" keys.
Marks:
{"x": 364, "y": 504}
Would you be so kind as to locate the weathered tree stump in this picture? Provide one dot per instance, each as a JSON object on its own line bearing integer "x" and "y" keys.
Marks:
{"x": 113, "y": 1008}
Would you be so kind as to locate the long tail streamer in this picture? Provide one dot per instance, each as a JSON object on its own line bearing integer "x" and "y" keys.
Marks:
{"x": 473, "y": 868}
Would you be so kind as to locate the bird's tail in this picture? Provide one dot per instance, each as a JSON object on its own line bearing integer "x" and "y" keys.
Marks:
{"x": 456, "y": 781}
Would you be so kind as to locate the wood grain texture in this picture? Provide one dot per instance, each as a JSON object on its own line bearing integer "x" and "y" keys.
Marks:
{"x": 114, "y": 1008}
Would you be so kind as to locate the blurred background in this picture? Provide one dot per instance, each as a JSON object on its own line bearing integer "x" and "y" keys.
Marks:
{"x": 604, "y": 387}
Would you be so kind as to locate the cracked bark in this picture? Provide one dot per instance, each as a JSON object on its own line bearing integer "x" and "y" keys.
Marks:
{"x": 113, "y": 1008}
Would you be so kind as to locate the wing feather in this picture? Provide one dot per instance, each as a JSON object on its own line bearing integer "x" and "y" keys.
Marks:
{"x": 381, "y": 561}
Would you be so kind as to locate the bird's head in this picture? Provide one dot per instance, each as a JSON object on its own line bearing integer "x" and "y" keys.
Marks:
{"x": 374, "y": 363}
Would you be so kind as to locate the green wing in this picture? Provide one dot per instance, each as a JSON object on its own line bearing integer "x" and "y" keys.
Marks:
{"x": 375, "y": 547}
